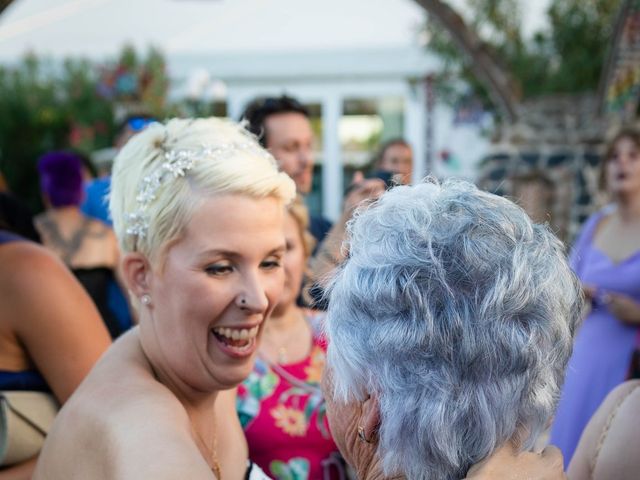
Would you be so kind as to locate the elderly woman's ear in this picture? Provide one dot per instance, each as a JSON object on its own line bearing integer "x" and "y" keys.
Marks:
{"x": 369, "y": 420}
{"x": 354, "y": 426}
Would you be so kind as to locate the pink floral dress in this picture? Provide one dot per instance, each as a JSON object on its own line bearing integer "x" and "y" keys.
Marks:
{"x": 283, "y": 414}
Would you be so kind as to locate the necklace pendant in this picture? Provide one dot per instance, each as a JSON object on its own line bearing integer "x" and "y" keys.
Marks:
{"x": 282, "y": 355}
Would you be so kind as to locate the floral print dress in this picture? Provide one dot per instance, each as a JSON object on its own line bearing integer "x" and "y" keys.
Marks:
{"x": 283, "y": 414}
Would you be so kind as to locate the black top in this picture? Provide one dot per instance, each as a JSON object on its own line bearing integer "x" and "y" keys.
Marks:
{"x": 318, "y": 227}
{"x": 95, "y": 281}
{"x": 17, "y": 217}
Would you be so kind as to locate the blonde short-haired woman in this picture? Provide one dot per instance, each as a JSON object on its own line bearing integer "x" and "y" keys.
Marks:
{"x": 198, "y": 209}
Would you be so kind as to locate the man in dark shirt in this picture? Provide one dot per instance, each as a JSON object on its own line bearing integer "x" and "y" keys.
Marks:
{"x": 282, "y": 125}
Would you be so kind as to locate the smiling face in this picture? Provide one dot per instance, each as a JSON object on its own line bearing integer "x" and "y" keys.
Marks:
{"x": 214, "y": 290}
{"x": 290, "y": 141}
{"x": 623, "y": 167}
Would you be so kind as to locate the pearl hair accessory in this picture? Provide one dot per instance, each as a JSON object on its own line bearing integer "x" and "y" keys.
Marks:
{"x": 176, "y": 164}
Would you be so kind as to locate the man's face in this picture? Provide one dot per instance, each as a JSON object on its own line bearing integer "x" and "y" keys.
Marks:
{"x": 290, "y": 141}
{"x": 398, "y": 158}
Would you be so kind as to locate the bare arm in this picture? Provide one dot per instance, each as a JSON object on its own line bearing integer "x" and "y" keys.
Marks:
{"x": 54, "y": 320}
{"x": 52, "y": 316}
{"x": 624, "y": 308}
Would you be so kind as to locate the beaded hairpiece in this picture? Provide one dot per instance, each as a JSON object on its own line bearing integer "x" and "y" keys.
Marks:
{"x": 176, "y": 164}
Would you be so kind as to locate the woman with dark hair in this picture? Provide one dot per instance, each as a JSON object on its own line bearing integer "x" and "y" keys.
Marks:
{"x": 606, "y": 258}
{"x": 87, "y": 246}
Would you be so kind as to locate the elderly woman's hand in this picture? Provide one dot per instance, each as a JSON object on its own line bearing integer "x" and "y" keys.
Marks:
{"x": 507, "y": 464}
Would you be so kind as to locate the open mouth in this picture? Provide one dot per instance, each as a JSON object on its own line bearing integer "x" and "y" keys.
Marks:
{"x": 236, "y": 340}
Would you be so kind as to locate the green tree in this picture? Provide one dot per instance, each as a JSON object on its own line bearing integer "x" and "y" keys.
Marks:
{"x": 35, "y": 118}
{"x": 565, "y": 57}
{"x": 47, "y": 105}
{"x": 579, "y": 36}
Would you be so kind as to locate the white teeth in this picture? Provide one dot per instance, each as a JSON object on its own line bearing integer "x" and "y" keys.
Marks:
{"x": 237, "y": 334}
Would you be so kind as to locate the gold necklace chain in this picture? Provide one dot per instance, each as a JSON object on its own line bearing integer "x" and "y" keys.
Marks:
{"x": 211, "y": 452}
{"x": 213, "y": 455}
{"x": 281, "y": 349}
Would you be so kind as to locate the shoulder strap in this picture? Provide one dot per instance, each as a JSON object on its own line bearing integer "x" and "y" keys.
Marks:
{"x": 605, "y": 430}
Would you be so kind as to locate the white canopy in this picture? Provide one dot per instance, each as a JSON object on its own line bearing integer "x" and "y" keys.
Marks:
{"x": 98, "y": 28}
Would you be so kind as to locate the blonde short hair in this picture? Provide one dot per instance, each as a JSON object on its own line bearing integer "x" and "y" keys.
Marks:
{"x": 228, "y": 160}
{"x": 300, "y": 214}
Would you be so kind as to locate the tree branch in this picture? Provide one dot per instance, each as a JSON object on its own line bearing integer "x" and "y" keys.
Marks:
{"x": 4, "y": 4}
{"x": 503, "y": 89}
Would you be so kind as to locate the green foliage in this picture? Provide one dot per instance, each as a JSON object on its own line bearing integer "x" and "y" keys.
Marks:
{"x": 136, "y": 83}
{"x": 565, "y": 57}
{"x": 42, "y": 108}
{"x": 580, "y": 34}
{"x": 46, "y": 105}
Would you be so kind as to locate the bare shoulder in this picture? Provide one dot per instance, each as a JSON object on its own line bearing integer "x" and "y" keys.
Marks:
{"x": 25, "y": 268}
{"x": 129, "y": 426}
{"x": 608, "y": 446}
{"x": 25, "y": 259}
{"x": 98, "y": 227}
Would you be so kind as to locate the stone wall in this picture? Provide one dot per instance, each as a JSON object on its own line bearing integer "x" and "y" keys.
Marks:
{"x": 556, "y": 148}
{"x": 570, "y": 176}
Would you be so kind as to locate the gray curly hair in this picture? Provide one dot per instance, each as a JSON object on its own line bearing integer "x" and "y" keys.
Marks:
{"x": 459, "y": 314}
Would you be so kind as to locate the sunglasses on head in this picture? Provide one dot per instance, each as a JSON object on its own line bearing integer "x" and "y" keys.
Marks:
{"x": 139, "y": 123}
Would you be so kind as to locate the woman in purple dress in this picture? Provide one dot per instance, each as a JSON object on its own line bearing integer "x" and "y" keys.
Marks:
{"x": 606, "y": 258}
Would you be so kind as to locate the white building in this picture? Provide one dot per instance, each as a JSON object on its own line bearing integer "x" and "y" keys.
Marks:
{"x": 390, "y": 79}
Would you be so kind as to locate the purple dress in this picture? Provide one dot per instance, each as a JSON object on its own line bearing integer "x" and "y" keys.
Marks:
{"x": 603, "y": 346}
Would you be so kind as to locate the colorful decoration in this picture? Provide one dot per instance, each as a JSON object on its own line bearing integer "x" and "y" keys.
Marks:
{"x": 133, "y": 83}
{"x": 623, "y": 87}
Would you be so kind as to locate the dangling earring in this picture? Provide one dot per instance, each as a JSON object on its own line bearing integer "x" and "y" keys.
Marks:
{"x": 146, "y": 299}
{"x": 362, "y": 436}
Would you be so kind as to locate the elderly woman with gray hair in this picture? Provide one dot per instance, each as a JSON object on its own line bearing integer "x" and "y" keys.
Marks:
{"x": 450, "y": 325}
